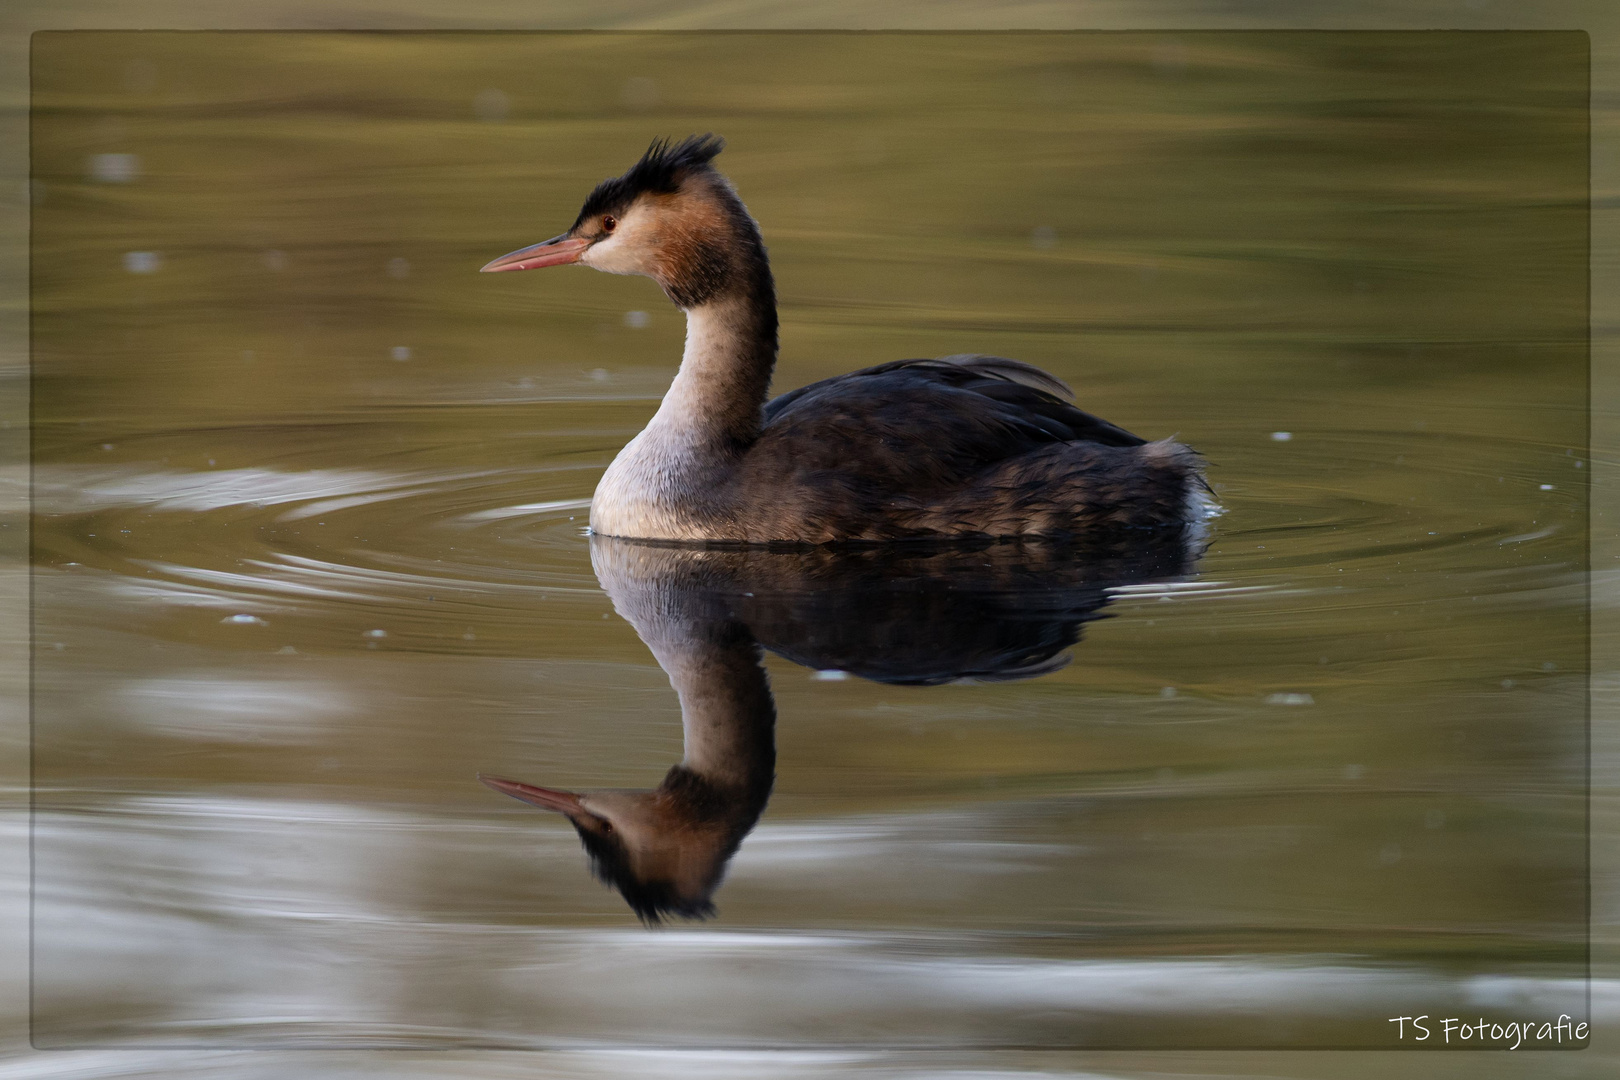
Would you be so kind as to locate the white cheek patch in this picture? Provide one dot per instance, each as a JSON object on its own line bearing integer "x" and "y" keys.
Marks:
{"x": 608, "y": 256}
{"x": 627, "y": 251}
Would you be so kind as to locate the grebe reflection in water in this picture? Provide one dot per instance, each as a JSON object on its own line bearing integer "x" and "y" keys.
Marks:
{"x": 915, "y": 614}
{"x": 962, "y": 446}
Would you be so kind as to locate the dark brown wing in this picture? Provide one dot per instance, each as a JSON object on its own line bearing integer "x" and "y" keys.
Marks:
{"x": 922, "y": 424}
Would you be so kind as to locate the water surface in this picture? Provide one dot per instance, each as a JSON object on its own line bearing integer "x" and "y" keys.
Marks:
{"x": 309, "y": 546}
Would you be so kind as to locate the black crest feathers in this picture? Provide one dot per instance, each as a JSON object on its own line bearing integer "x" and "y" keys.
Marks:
{"x": 660, "y": 171}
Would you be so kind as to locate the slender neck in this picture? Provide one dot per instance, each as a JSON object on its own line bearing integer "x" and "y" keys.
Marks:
{"x": 717, "y": 400}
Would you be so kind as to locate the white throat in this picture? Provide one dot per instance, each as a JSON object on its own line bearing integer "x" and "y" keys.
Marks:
{"x": 717, "y": 344}
{"x": 653, "y": 487}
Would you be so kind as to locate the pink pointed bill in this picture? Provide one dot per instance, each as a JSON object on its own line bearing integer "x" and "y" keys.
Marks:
{"x": 558, "y": 251}
{"x": 564, "y": 802}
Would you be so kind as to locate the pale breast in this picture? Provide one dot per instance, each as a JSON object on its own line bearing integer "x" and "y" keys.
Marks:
{"x": 646, "y": 495}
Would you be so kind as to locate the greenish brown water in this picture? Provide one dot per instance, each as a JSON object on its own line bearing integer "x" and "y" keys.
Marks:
{"x": 1335, "y": 774}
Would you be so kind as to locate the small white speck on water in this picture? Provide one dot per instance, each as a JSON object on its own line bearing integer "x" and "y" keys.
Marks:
{"x": 599, "y": 375}
{"x": 106, "y": 446}
{"x": 1167, "y": 692}
{"x": 1290, "y": 699}
{"x": 399, "y": 267}
{"x": 114, "y": 168}
{"x": 376, "y": 633}
{"x": 210, "y": 461}
{"x": 1549, "y": 666}
{"x": 1546, "y": 487}
{"x": 492, "y": 105}
{"x": 286, "y": 650}
{"x": 830, "y": 675}
{"x": 636, "y": 320}
{"x": 400, "y": 352}
{"x": 248, "y": 355}
{"x": 1390, "y": 855}
{"x": 1508, "y": 684}
{"x": 274, "y": 260}
{"x": 244, "y": 620}
{"x": 1044, "y": 237}
{"x": 1281, "y": 436}
{"x": 469, "y": 636}
{"x": 142, "y": 262}
{"x": 1352, "y": 772}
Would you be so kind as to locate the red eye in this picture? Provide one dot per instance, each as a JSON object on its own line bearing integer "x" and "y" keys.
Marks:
{"x": 609, "y": 222}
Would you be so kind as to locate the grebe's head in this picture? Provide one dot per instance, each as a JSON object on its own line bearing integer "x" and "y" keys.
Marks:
{"x": 671, "y": 217}
{"x": 665, "y": 850}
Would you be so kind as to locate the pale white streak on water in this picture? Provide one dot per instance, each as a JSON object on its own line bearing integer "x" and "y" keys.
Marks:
{"x": 175, "y": 594}
{"x": 1539, "y": 534}
{"x": 1170, "y": 586}
{"x": 556, "y": 506}
{"x": 162, "y": 888}
{"x": 85, "y": 586}
{"x": 249, "y": 584}
{"x": 82, "y": 489}
{"x": 219, "y": 708}
{"x": 332, "y": 506}
{"x": 319, "y": 570}
{"x": 925, "y": 840}
{"x": 1186, "y": 589}
{"x": 77, "y": 489}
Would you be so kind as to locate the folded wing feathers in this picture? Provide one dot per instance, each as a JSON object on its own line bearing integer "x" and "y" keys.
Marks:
{"x": 1000, "y": 367}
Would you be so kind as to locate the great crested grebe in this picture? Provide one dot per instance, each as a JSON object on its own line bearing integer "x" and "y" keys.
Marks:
{"x": 961, "y": 446}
